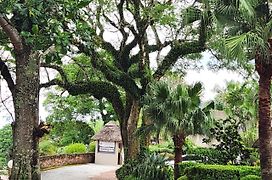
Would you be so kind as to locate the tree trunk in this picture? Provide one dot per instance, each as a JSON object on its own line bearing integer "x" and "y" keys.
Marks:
{"x": 265, "y": 132}
{"x": 145, "y": 140}
{"x": 178, "y": 140}
{"x": 128, "y": 129}
{"x": 26, "y": 103}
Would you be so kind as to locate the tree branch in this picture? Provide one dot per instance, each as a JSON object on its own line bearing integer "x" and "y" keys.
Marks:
{"x": 57, "y": 68}
{"x": 99, "y": 90}
{"x": 7, "y": 76}
{"x": 182, "y": 48}
{"x": 111, "y": 73}
{"x": 12, "y": 33}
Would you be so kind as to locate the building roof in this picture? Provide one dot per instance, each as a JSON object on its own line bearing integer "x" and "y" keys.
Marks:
{"x": 110, "y": 132}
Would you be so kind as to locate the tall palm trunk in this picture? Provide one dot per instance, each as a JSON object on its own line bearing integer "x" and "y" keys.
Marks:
{"x": 26, "y": 102}
{"x": 178, "y": 140}
{"x": 265, "y": 132}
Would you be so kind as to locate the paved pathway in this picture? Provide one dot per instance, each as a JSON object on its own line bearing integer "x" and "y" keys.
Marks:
{"x": 81, "y": 172}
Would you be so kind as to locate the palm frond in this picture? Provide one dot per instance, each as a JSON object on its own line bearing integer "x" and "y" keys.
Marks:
{"x": 247, "y": 7}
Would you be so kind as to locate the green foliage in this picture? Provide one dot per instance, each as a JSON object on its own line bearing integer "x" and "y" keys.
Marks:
{"x": 166, "y": 147}
{"x": 249, "y": 137}
{"x": 240, "y": 101}
{"x": 67, "y": 132}
{"x": 183, "y": 178}
{"x": 184, "y": 165}
{"x": 207, "y": 155}
{"x": 46, "y": 147}
{"x": 222, "y": 172}
{"x": 96, "y": 125}
{"x": 5, "y": 144}
{"x": 176, "y": 109}
{"x": 92, "y": 146}
{"x": 81, "y": 107}
{"x": 150, "y": 166}
{"x": 75, "y": 148}
{"x": 251, "y": 177}
{"x": 253, "y": 157}
{"x": 230, "y": 142}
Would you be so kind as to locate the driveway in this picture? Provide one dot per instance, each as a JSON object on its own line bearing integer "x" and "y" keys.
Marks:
{"x": 81, "y": 172}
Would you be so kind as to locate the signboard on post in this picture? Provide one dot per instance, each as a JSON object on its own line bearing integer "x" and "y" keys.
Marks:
{"x": 104, "y": 146}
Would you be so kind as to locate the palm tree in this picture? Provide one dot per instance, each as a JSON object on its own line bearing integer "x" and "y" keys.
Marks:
{"x": 247, "y": 26}
{"x": 176, "y": 111}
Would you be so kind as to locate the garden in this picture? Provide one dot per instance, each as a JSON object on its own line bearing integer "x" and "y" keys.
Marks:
{"x": 69, "y": 67}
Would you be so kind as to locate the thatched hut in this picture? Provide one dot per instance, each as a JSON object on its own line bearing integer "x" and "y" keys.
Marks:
{"x": 109, "y": 148}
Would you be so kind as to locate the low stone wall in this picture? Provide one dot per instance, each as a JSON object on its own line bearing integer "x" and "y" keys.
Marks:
{"x": 65, "y": 159}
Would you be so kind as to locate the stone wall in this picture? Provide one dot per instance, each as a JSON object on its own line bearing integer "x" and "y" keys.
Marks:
{"x": 65, "y": 159}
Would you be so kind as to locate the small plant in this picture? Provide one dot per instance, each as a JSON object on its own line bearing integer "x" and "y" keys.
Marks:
{"x": 92, "y": 146}
{"x": 47, "y": 148}
{"x": 75, "y": 148}
{"x": 148, "y": 166}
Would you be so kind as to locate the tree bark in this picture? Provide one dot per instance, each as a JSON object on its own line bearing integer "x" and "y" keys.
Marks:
{"x": 128, "y": 129}
{"x": 265, "y": 132}
{"x": 26, "y": 102}
{"x": 178, "y": 140}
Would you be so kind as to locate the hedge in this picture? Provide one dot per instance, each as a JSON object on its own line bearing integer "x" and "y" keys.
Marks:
{"x": 206, "y": 155}
{"x": 218, "y": 172}
{"x": 251, "y": 177}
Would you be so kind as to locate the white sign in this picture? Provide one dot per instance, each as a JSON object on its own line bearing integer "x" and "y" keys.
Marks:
{"x": 104, "y": 146}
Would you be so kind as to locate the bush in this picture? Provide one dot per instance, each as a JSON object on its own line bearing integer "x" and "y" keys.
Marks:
{"x": 184, "y": 165}
{"x": 222, "y": 172}
{"x": 148, "y": 166}
{"x": 92, "y": 146}
{"x": 47, "y": 148}
{"x": 206, "y": 155}
{"x": 251, "y": 177}
{"x": 75, "y": 148}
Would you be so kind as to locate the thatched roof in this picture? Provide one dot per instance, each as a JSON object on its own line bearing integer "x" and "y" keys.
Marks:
{"x": 111, "y": 132}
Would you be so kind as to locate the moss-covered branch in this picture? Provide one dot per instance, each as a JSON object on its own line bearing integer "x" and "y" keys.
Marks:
{"x": 99, "y": 90}
{"x": 111, "y": 73}
{"x": 182, "y": 48}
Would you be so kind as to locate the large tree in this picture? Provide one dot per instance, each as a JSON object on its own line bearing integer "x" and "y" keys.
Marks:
{"x": 177, "y": 111}
{"x": 247, "y": 31}
{"x": 141, "y": 28}
{"x": 29, "y": 29}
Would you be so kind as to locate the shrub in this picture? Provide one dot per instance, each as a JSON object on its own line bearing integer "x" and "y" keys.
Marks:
{"x": 148, "y": 166}
{"x": 47, "y": 148}
{"x": 206, "y": 155}
{"x": 222, "y": 172}
{"x": 75, "y": 148}
{"x": 251, "y": 177}
{"x": 92, "y": 146}
{"x": 230, "y": 145}
{"x": 184, "y": 165}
